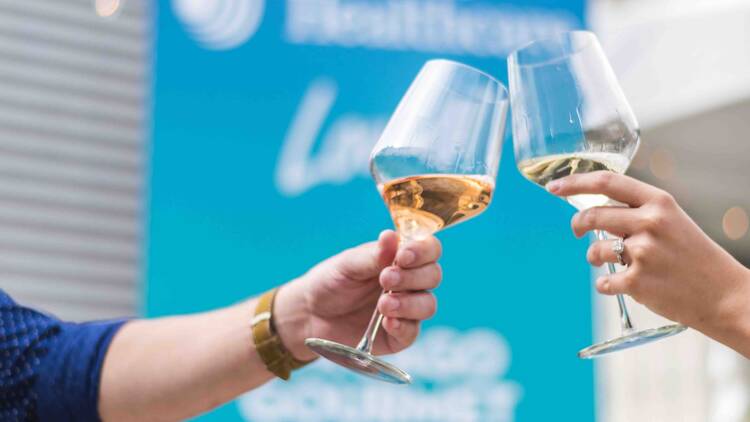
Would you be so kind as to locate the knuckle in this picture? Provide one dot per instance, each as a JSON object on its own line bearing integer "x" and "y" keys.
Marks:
{"x": 664, "y": 199}
{"x": 638, "y": 252}
{"x": 414, "y": 247}
{"x": 588, "y": 219}
{"x": 635, "y": 271}
{"x": 654, "y": 220}
{"x": 602, "y": 180}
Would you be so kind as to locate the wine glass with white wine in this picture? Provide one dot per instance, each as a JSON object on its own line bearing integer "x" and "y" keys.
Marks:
{"x": 570, "y": 116}
{"x": 435, "y": 166}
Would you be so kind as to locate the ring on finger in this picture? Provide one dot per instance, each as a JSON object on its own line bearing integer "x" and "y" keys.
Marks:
{"x": 618, "y": 247}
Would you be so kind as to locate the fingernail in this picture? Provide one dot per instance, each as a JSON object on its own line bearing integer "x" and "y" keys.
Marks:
{"x": 405, "y": 257}
{"x": 554, "y": 186}
{"x": 391, "y": 279}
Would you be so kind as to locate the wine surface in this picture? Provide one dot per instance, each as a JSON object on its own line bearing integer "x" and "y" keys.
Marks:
{"x": 422, "y": 205}
{"x": 542, "y": 170}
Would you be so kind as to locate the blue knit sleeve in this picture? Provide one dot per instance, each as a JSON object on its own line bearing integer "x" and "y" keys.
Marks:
{"x": 49, "y": 369}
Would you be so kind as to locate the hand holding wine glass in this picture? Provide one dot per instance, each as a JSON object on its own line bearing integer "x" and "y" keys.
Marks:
{"x": 435, "y": 166}
{"x": 674, "y": 268}
{"x": 570, "y": 116}
{"x": 335, "y": 299}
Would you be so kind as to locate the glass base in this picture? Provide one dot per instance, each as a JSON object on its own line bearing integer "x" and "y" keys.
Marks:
{"x": 633, "y": 339}
{"x": 358, "y": 361}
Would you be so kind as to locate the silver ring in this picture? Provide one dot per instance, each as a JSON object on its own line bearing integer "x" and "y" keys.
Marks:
{"x": 618, "y": 248}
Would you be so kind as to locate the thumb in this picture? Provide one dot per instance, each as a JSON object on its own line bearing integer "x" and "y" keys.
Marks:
{"x": 368, "y": 260}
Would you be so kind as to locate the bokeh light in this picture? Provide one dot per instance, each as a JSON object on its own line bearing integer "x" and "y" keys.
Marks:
{"x": 661, "y": 164}
{"x": 735, "y": 223}
{"x": 107, "y": 8}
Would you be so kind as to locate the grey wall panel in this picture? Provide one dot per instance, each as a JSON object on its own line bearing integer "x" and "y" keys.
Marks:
{"x": 74, "y": 113}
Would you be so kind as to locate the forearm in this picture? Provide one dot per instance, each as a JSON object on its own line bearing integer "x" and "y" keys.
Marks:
{"x": 731, "y": 324}
{"x": 173, "y": 368}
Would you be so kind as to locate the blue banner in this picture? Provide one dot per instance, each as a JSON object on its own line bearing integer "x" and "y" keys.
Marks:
{"x": 265, "y": 114}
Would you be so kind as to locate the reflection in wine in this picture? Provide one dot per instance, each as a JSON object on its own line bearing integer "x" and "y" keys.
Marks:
{"x": 544, "y": 169}
{"x": 422, "y": 205}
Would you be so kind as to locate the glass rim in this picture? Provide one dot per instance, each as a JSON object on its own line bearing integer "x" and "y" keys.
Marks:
{"x": 503, "y": 88}
{"x": 589, "y": 35}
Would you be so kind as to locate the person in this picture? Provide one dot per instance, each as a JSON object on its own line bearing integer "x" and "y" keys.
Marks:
{"x": 674, "y": 268}
{"x": 172, "y": 368}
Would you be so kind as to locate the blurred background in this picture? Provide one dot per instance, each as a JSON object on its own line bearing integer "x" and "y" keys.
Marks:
{"x": 175, "y": 156}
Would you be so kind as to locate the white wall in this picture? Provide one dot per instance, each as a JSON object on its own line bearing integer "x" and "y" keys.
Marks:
{"x": 676, "y": 57}
{"x": 685, "y": 67}
{"x": 74, "y": 98}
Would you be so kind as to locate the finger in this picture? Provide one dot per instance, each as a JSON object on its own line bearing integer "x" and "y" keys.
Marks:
{"x": 419, "y": 252}
{"x": 368, "y": 260}
{"x": 401, "y": 332}
{"x": 426, "y": 277}
{"x": 416, "y": 305}
{"x": 614, "y": 284}
{"x": 616, "y": 186}
{"x": 616, "y": 220}
{"x": 601, "y": 252}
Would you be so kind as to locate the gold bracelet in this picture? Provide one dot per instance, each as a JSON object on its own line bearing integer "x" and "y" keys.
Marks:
{"x": 268, "y": 344}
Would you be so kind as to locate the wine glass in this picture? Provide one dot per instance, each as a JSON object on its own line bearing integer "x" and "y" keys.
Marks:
{"x": 435, "y": 166}
{"x": 570, "y": 116}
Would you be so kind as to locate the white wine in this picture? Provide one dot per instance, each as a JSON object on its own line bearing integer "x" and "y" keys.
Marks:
{"x": 422, "y": 205}
{"x": 542, "y": 170}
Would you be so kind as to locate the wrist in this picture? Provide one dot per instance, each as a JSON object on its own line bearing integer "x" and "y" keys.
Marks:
{"x": 292, "y": 321}
{"x": 741, "y": 313}
{"x": 732, "y": 325}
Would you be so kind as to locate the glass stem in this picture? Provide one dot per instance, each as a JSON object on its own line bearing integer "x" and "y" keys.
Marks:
{"x": 625, "y": 324}
{"x": 365, "y": 344}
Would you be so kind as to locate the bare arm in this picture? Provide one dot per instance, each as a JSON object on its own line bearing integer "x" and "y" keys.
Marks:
{"x": 173, "y": 368}
{"x": 180, "y": 366}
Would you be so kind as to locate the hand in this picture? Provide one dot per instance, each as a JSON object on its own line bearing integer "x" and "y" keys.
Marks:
{"x": 336, "y": 298}
{"x": 674, "y": 268}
